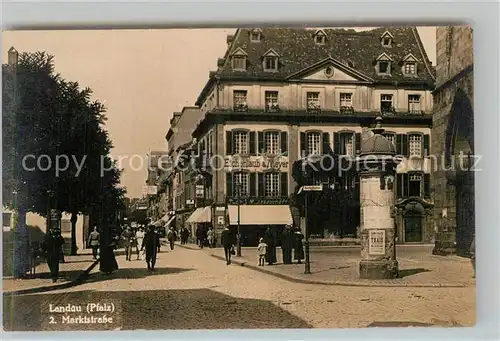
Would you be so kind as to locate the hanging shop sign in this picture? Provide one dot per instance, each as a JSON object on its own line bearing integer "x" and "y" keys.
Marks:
{"x": 200, "y": 191}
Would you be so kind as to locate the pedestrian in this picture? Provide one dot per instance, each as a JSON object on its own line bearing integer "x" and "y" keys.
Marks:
{"x": 271, "y": 241}
{"x": 262, "y": 249}
{"x": 172, "y": 237}
{"x": 107, "y": 258}
{"x": 227, "y": 243}
{"x": 298, "y": 253}
{"x": 199, "y": 236}
{"x": 210, "y": 238}
{"x": 128, "y": 236}
{"x": 287, "y": 243}
{"x": 158, "y": 233}
{"x": 52, "y": 245}
{"x": 150, "y": 243}
{"x": 139, "y": 237}
{"x": 184, "y": 235}
{"x": 94, "y": 242}
{"x": 473, "y": 255}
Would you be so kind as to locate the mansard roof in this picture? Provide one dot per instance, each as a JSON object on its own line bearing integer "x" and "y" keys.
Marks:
{"x": 298, "y": 51}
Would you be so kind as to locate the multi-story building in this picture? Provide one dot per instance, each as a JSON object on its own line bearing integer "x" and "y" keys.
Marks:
{"x": 154, "y": 169}
{"x": 453, "y": 140}
{"x": 281, "y": 94}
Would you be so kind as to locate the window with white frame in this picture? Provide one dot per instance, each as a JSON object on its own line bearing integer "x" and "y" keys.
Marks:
{"x": 347, "y": 144}
{"x": 415, "y": 145}
{"x": 313, "y": 143}
{"x": 255, "y": 36}
{"x": 240, "y": 183}
{"x": 272, "y": 184}
{"x": 272, "y": 139}
{"x": 239, "y": 62}
{"x": 240, "y": 100}
{"x": 270, "y": 63}
{"x": 415, "y": 184}
{"x": 390, "y": 137}
{"x": 345, "y": 100}
{"x": 410, "y": 68}
{"x": 386, "y": 103}
{"x": 313, "y": 101}
{"x": 240, "y": 141}
{"x": 414, "y": 106}
{"x": 271, "y": 98}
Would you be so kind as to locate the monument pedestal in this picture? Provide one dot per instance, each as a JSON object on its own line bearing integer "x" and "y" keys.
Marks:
{"x": 378, "y": 269}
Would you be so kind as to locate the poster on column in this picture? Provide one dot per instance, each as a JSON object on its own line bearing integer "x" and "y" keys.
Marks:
{"x": 376, "y": 242}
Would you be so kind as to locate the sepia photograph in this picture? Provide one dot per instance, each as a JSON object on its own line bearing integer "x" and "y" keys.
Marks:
{"x": 238, "y": 178}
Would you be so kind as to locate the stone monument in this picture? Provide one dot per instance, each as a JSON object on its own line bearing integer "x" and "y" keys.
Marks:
{"x": 377, "y": 164}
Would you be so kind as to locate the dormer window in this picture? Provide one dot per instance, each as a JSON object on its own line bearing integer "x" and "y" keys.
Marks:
{"x": 410, "y": 65}
{"x": 384, "y": 63}
{"x": 320, "y": 37}
{"x": 386, "y": 39}
{"x": 239, "y": 60}
{"x": 270, "y": 61}
{"x": 256, "y": 35}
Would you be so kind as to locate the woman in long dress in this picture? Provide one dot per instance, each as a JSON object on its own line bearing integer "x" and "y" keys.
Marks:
{"x": 298, "y": 252}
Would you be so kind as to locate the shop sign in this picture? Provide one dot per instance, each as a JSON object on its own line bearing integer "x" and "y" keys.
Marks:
{"x": 200, "y": 191}
{"x": 259, "y": 201}
{"x": 256, "y": 163}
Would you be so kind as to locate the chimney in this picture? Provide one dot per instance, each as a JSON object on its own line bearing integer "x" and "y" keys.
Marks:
{"x": 220, "y": 62}
{"x": 13, "y": 57}
{"x": 230, "y": 38}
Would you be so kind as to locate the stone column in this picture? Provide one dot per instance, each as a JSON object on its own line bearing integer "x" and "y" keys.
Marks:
{"x": 377, "y": 169}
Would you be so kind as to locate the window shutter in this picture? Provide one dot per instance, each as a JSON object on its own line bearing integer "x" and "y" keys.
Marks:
{"x": 260, "y": 185}
{"x": 399, "y": 185}
{"x": 336, "y": 143}
{"x": 399, "y": 144}
{"x": 406, "y": 185}
{"x": 404, "y": 145}
{"x": 229, "y": 142}
{"x": 284, "y": 184}
{"x": 229, "y": 184}
{"x": 427, "y": 185}
{"x": 326, "y": 143}
{"x": 358, "y": 144}
{"x": 303, "y": 144}
{"x": 261, "y": 142}
{"x": 284, "y": 142}
{"x": 253, "y": 184}
{"x": 252, "y": 143}
{"x": 426, "y": 146}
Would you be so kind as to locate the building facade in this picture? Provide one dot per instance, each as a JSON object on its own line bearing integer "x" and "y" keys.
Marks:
{"x": 154, "y": 170}
{"x": 280, "y": 95}
{"x": 453, "y": 140}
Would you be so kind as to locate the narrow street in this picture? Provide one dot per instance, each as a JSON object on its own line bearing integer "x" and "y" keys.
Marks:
{"x": 191, "y": 290}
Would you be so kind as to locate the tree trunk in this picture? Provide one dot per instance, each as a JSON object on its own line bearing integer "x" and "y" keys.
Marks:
{"x": 74, "y": 219}
{"x": 22, "y": 255}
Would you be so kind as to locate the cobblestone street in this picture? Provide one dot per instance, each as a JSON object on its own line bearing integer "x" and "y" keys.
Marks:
{"x": 191, "y": 290}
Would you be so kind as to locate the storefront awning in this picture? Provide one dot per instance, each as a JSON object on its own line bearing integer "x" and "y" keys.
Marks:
{"x": 260, "y": 215}
{"x": 157, "y": 223}
{"x": 170, "y": 221}
{"x": 201, "y": 215}
{"x": 166, "y": 217}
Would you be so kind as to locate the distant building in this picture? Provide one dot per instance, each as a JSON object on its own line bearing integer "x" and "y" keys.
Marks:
{"x": 453, "y": 140}
{"x": 281, "y": 94}
{"x": 154, "y": 169}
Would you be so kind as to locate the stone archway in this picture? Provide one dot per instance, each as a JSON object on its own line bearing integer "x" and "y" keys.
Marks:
{"x": 459, "y": 149}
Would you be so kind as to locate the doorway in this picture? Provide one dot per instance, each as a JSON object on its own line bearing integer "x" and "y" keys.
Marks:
{"x": 413, "y": 228}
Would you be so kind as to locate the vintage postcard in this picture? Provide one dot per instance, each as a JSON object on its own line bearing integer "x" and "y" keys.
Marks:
{"x": 239, "y": 178}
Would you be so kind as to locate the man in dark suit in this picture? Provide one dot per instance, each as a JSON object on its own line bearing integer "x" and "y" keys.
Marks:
{"x": 150, "y": 243}
{"x": 227, "y": 243}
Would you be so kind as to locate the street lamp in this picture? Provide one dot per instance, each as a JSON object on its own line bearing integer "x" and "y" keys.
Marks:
{"x": 238, "y": 235}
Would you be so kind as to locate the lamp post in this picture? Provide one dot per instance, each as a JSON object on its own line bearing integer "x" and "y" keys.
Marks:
{"x": 306, "y": 189}
{"x": 238, "y": 235}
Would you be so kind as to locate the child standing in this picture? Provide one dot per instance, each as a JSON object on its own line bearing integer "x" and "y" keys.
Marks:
{"x": 262, "y": 249}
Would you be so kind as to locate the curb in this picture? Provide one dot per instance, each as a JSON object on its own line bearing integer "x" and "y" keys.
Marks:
{"x": 80, "y": 279}
{"x": 339, "y": 283}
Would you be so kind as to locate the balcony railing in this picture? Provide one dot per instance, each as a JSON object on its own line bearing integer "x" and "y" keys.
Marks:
{"x": 414, "y": 112}
{"x": 240, "y": 107}
{"x": 313, "y": 108}
{"x": 272, "y": 108}
{"x": 391, "y": 111}
{"x": 346, "y": 110}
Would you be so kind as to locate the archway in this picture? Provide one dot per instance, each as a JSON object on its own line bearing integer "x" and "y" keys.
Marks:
{"x": 413, "y": 217}
{"x": 459, "y": 151}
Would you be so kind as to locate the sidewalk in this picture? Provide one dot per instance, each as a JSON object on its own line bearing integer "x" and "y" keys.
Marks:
{"x": 417, "y": 269}
{"x": 70, "y": 272}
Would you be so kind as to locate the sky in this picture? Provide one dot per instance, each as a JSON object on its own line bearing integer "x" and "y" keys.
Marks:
{"x": 142, "y": 77}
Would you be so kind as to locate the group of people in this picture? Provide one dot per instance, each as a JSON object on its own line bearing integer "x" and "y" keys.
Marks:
{"x": 146, "y": 242}
{"x": 291, "y": 240}
{"x": 205, "y": 237}
{"x": 184, "y": 234}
